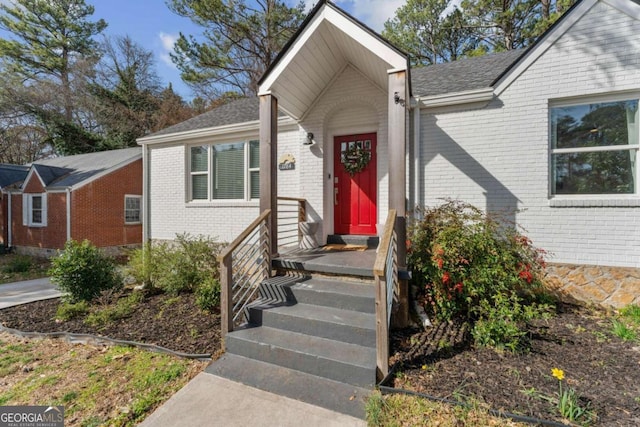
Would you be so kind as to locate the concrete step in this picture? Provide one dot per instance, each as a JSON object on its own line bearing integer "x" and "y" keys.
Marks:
{"x": 335, "y": 293}
{"x": 349, "y": 239}
{"x": 336, "y": 396}
{"x": 327, "y": 322}
{"x": 335, "y": 360}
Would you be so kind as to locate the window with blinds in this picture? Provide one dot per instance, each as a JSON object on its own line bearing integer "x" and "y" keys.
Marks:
{"x": 229, "y": 171}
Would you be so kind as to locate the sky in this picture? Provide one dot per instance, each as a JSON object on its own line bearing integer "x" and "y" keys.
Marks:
{"x": 151, "y": 24}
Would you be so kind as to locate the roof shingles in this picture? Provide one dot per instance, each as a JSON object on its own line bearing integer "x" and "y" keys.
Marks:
{"x": 439, "y": 79}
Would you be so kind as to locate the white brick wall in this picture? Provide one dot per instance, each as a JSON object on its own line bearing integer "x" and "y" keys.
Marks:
{"x": 171, "y": 214}
{"x": 497, "y": 157}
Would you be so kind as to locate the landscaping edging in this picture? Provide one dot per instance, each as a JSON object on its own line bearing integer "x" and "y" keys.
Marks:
{"x": 98, "y": 340}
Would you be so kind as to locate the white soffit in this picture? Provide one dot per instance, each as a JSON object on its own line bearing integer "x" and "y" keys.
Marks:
{"x": 329, "y": 42}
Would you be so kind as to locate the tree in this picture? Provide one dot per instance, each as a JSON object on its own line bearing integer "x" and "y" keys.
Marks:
{"x": 503, "y": 24}
{"x": 51, "y": 43}
{"x": 172, "y": 109}
{"x": 22, "y": 139}
{"x": 422, "y": 29}
{"x": 240, "y": 40}
{"x": 126, "y": 91}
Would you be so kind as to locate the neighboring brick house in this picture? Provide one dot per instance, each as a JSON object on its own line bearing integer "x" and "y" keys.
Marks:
{"x": 96, "y": 196}
{"x": 9, "y": 175}
{"x": 548, "y": 134}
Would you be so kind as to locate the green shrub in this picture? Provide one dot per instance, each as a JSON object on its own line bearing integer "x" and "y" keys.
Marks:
{"x": 208, "y": 295}
{"x": 67, "y": 310}
{"x": 19, "y": 264}
{"x": 471, "y": 265}
{"x": 176, "y": 267}
{"x": 82, "y": 271}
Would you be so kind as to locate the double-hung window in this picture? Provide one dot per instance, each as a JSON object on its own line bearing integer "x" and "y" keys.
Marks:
{"x": 228, "y": 171}
{"x": 594, "y": 148}
{"x": 132, "y": 208}
{"x": 34, "y": 210}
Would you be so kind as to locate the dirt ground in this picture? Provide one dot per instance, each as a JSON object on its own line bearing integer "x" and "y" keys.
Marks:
{"x": 603, "y": 369}
{"x": 175, "y": 323}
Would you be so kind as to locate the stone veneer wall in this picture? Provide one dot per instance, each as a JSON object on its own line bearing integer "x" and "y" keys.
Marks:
{"x": 606, "y": 286}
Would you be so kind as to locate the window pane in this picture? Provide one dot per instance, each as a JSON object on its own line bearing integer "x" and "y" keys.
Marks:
{"x": 36, "y": 202}
{"x": 133, "y": 203}
{"x": 254, "y": 154}
{"x": 199, "y": 187}
{"x": 255, "y": 184}
{"x": 228, "y": 171}
{"x": 132, "y": 209}
{"x": 608, "y": 172}
{"x": 199, "y": 159}
{"x": 595, "y": 125}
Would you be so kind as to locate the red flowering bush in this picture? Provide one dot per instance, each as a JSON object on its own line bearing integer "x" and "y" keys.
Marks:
{"x": 466, "y": 263}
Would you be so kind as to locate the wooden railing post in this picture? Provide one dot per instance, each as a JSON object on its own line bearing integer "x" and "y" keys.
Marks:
{"x": 380, "y": 269}
{"x": 382, "y": 330}
{"x": 226, "y": 298}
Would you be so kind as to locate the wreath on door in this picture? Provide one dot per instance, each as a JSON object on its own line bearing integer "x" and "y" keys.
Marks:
{"x": 355, "y": 159}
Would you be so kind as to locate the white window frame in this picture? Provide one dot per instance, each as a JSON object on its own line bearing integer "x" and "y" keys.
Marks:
{"x": 586, "y": 200}
{"x": 246, "y": 142}
{"x": 27, "y": 210}
{"x": 136, "y": 197}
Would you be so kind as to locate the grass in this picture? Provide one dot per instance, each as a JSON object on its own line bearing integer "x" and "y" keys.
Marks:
{"x": 111, "y": 386}
{"x": 123, "y": 308}
{"x": 14, "y": 268}
{"x": 626, "y": 325}
{"x": 402, "y": 410}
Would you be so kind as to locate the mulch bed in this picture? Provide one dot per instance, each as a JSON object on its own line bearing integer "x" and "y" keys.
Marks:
{"x": 174, "y": 323}
{"x": 603, "y": 369}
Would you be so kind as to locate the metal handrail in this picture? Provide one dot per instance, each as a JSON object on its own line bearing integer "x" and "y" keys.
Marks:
{"x": 385, "y": 271}
{"x": 291, "y": 212}
{"x": 244, "y": 264}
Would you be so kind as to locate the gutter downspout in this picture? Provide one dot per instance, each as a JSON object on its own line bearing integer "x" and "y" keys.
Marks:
{"x": 9, "y": 222}
{"x": 145, "y": 194}
{"x": 68, "y": 214}
{"x": 417, "y": 157}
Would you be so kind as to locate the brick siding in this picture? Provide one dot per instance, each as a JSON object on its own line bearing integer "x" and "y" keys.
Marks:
{"x": 497, "y": 157}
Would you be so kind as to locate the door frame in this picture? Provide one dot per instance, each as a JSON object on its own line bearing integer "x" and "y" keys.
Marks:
{"x": 329, "y": 209}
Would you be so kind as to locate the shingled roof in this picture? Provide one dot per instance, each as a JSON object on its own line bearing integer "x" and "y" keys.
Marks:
{"x": 239, "y": 111}
{"x": 10, "y": 174}
{"x": 458, "y": 76}
{"x": 69, "y": 171}
{"x": 461, "y": 75}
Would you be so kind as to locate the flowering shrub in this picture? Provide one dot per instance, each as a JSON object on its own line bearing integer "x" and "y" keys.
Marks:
{"x": 469, "y": 264}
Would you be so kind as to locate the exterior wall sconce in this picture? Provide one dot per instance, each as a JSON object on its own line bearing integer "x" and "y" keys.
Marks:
{"x": 397, "y": 99}
{"x": 309, "y": 140}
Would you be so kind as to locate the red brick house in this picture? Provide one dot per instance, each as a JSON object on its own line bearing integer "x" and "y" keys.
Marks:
{"x": 95, "y": 196}
{"x": 9, "y": 175}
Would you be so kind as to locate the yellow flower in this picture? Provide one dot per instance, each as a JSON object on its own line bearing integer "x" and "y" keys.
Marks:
{"x": 424, "y": 367}
{"x": 558, "y": 373}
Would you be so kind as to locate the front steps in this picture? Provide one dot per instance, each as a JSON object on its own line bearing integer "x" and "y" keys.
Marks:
{"x": 308, "y": 338}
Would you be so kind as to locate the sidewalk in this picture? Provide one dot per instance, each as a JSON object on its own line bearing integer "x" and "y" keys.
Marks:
{"x": 209, "y": 400}
{"x": 17, "y": 293}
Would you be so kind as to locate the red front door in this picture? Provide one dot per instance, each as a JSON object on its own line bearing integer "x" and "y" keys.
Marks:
{"x": 355, "y": 186}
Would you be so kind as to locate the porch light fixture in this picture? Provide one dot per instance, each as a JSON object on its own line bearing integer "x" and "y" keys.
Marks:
{"x": 309, "y": 140}
{"x": 397, "y": 99}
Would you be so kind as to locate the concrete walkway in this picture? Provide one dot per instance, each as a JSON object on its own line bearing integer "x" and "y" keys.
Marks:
{"x": 17, "y": 293}
{"x": 209, "y": 400}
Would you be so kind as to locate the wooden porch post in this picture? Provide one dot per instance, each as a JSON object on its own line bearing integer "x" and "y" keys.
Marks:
{"x": 398, "y": 102}
{"x": 268, "y": 160}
